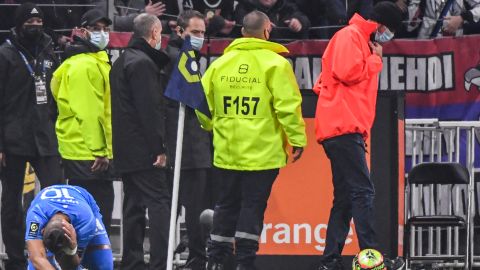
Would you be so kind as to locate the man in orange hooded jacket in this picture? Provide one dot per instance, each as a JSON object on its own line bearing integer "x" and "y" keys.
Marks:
{"x": 347, "y": 92}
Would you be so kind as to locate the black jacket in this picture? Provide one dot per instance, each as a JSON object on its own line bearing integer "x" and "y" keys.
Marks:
{"x": 138, "y": 110}
{"x": 283, "y": 10}
{"x": 197, "y": 147}
{"x": 26, "y": 128}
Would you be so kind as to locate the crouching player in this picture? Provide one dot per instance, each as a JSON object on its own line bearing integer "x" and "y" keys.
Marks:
{"x": 64, "y": 230}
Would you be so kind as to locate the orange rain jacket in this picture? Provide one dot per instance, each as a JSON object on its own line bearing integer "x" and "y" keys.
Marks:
{"x": 347, "y": 87}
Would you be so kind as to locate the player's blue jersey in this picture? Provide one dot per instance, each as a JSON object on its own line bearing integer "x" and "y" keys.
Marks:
{"x": 73, "y": 201}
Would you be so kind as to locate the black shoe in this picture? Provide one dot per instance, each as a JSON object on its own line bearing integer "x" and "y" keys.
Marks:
{"x": 335, "y": 264}
{"x": 394, "y": 264}
{"x": 215, "y": 266}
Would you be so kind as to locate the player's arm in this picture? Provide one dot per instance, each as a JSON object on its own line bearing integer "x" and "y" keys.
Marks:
{"x": 38, "y": 255}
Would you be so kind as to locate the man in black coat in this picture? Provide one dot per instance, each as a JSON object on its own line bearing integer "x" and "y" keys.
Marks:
{"x": 195, "y": 191}
{"x": 27, "y": 122}
{"x": 138, "y": 128}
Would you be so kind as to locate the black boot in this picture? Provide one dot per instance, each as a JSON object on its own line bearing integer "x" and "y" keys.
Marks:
{"x": 215, "y": 266}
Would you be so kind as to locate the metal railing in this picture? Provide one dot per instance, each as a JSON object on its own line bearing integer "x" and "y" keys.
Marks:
{"x": 430, "y": 140}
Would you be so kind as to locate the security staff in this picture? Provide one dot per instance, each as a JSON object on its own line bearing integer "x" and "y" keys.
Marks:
{"x": 256, "y": 111}
{"x": 81, "y": 88}
{"x": 27, "y": 122}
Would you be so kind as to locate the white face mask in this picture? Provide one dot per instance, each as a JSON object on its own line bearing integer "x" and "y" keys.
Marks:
{"x": 387, "y": 35}
{"x": 100, "y": 39}
{"x": 197, "y": 42}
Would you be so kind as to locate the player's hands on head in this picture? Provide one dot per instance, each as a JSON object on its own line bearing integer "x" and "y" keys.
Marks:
{"x": 70, "y": 234}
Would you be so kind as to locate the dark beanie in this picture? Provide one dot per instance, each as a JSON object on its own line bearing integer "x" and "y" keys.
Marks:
{"x": 388, "y": 14}
{"x": 26, "y": 11}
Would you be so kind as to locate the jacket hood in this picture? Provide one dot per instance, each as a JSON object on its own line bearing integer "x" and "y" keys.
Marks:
{"x": 255, "y": 44}
{"x": 79, "y": 46}
{"x": 367, "y": 27}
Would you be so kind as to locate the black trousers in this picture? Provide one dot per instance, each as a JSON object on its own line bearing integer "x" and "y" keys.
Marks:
{"x": 239, "y": 214}
{"x": 100, "y": 185}
{"x": 196, "y": 194}
{"x": 353, "y": 194}
{"x": 144, "y": 190}
{"x": 49, "y": 172}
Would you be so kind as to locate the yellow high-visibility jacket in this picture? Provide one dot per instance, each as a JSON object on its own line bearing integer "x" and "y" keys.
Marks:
{"x": 81, "y": 88}
{"x": 255, "y": 104}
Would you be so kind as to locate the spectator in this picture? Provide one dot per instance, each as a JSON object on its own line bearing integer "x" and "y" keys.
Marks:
{"x": 460, "y": 14}
{"x": 58, "y": 15}
{"x": 138, "y": 110}
{"x": 64, "y": 228}
{"x": 340, "y": 11}
{"x": 347, "y": 91}
{"x": 82, "y": 90}
{"x": 316, "y": 13}
{"x": 27, "y": 122}
{"x": 63, "y": 15}
{"x": 249, "y": 143}
{"x": 7, "y": 13}
{"x": 126, "y": 10}
{"x": 197, "y": 160}
{"x": 288, "y": 22}
{"x": 219, "y": 15}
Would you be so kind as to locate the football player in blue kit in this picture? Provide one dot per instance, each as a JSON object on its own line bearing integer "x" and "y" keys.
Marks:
{"x": 64, "y": 230}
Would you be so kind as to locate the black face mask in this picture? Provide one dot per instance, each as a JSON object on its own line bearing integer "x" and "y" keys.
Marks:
{"x": 32, "y": 32}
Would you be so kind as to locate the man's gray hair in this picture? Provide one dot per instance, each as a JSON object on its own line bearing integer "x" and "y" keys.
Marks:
{"x": 254, "y": 22}
{"x": 143, "y": 24}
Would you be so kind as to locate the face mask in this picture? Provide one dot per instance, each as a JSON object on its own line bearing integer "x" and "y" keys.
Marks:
{"x": 32, "y": 32}
{"x": 158, "y": 46}
{"x": 384, "y": 37}
{"x": 100, "y": 39}
{"x": 197, "y": 42}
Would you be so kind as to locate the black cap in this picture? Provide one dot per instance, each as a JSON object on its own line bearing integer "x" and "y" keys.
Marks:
{"x": 92, "y": 16}
{"x": 26, "y": 11}
{"x": 388, "y": 14}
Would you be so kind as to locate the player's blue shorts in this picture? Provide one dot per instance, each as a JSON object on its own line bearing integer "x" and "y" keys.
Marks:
{"x": 92, "y": 258}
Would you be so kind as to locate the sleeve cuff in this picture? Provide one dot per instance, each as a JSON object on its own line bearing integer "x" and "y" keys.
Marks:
{"x": 100, "y": 153}
{"x": 467, "y": 16}
{"x": 160, "y": 150}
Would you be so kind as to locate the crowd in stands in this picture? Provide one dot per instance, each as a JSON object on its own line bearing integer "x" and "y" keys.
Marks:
{"x": 292, "y": 19}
